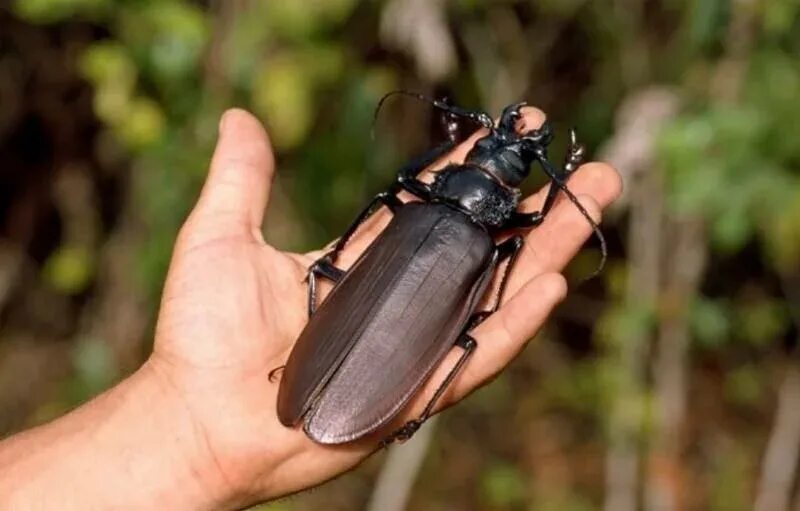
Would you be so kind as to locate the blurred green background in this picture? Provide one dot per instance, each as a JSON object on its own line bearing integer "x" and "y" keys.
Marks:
{"x": 669, "y": 383}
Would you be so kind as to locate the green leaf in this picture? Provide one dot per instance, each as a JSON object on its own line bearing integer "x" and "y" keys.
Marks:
{"x": 170, "y": 36}
{"x": 745, "y": 385}
{"x": 108, "y": 64}
{"x": 782, "y": 232}
{"x": 710, "y": 321}
{"x": 282, "y": 94}
{"x": 624, "y": 324}
{"x": 779, "y": 16}
{"x": 95, "y": 364}
{"x": 704, "y": 22}
{"x": 502, "y": 485}
{"x": 731, "y": 230}
{"x": 144, "y": 123}
{"x": 762, "y": 320}
{"x": 69, "y": 269}
{"x": 50, "y": 11}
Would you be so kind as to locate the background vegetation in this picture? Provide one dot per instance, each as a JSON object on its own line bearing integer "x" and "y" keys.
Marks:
{"x": 671, "y": 382}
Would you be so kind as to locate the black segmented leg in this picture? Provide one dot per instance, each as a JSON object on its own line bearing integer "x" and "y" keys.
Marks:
{"x": 407, "y": 173}
{"x": 387, "y": 199}
{"x": 509, "y": 250}
{"x": 468, "y": 343}
{"x": 322, "y": 267}
{"x": 406, "y": 179}
{"x": 575, "y": 154}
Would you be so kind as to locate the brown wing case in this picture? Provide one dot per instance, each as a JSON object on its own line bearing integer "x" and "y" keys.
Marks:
{"x": 387, "y": 324}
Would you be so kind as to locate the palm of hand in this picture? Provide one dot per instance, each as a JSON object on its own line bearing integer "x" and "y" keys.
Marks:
{"x": 233, "y": 306}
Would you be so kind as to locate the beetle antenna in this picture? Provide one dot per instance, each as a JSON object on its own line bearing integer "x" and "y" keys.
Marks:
{"x": 596, "y": 228}
{"x": 481, "y": 118}
{"x": 555, "y": 180}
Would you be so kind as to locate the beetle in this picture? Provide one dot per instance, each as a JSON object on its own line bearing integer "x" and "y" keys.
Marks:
{"x": 413, "y": 294}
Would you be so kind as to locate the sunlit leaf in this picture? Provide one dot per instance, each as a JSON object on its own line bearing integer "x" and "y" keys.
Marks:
{"x": 144, "y": 123}
{"x": 730, "y": 475}
{"x": 172, "y": 34}
{"x": 732, "y": 229}
{"x": 782, "y": 233}
{"x": 703, "y": 22}
{"x": 761, "y": 321}
{"x": 69, "y": 269}
{"x": 49, "y": 11}
{"x": 710, "y": 321}
{"x": 108, "y": 64}
{"x": 625, "y": 324}
{"x": 745, "y": 385}
{"x": 502, "y": 485}
{"x": 95, "y": 365}
{"x": 282, "y": 95}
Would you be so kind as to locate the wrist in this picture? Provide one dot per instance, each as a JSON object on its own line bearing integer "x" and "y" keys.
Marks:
{"x": 135, "y": 447}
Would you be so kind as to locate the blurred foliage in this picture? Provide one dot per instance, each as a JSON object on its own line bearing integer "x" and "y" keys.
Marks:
{"x": 502, "y": 486}
{"x": 161, "y": 72}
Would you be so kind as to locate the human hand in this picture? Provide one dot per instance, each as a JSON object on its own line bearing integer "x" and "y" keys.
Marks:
{"x": 234, "y": 305}
{"x": 196, "y": 426}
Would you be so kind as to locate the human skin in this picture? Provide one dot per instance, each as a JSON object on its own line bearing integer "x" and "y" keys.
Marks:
{"x": 195, "y": 427}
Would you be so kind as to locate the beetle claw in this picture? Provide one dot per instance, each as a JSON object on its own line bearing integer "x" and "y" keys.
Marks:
{"x": 403, "y": 434}
{"x": 575, "y": 153}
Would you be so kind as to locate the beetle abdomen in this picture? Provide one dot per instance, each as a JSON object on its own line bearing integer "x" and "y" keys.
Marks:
{"x": 387, "y": 323}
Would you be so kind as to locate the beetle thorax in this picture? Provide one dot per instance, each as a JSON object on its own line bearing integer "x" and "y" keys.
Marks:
{"x": 476, "y": 193}
{"x": 506, "y": 157}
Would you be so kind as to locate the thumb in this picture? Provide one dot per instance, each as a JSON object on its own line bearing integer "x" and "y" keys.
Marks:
{"x": 236, "y": 190}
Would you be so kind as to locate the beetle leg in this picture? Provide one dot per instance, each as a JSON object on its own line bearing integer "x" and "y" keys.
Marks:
{"x": 575, "y": 154}
{"x": 468, "y": 344}
{"x": 528, "y": 220}
{"x": 407, "y": 180}
{"x": 572, "y": 160}
{"x": 407, "y": 430}
{"x": 387, "y": 199}
{"x": 322, "y": 267}
{"x": 508, "y": 249}
{"x": 407, "y": 176}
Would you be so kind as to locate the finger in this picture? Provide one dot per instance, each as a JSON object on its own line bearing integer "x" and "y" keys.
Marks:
{"x": 500, "y": 338}
{"x": 554, "y": 243}
{"x": 598, "y": 179}
{"x": 235, "y": 193}
{"x": 550, "y": 246}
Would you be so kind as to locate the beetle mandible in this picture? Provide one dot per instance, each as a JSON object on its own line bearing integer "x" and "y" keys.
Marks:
{"x": 414, "y": 292}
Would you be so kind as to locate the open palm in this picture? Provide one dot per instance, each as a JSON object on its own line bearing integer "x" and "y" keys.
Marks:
{"x": 233, "y": 307}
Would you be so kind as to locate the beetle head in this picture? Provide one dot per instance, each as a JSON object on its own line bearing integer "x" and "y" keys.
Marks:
{"x": 507, "y": 154}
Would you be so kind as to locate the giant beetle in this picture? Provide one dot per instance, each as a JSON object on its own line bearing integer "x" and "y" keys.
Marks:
{"x": 413, "y": 294}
